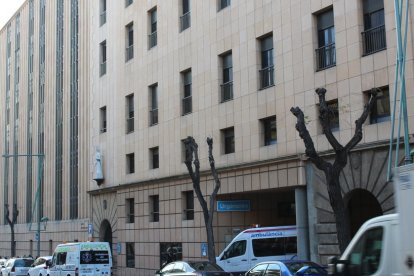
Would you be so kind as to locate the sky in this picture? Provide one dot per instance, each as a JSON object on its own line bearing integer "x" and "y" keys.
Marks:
{"x": 7, "y": 9}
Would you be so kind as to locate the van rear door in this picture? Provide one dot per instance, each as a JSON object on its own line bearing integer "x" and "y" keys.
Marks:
{"x": 95, "y": 262}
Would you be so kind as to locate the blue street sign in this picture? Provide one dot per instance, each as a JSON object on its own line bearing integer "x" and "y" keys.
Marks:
{"x": 204, "y": 249}
{"x": 36, "y": 236}
{"x": 233, "y": 206}
{"x": 90, "y": 229}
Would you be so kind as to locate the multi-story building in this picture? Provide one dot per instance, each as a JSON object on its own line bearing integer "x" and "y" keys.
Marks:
{"x": 45, "y": 120}
{"x": 155, "y": 72}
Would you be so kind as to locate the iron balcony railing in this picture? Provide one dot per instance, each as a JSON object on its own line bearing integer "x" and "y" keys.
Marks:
{"x": 130, "y": 124}
{"x": 102, "y": 18}
{"x": 129, "y": 52}
{"x": 267, "y": 77}
{"x": 325, "y": 57}
{"x": 152, "y": 40}
{"x": 187, "y": 105}
{"x": 154, "y": 116}
{"x": 185, "y": 21}
{"x": 374, "y": 40}
{"x": 102, "y": 68}
{"x": 227, "y": 91}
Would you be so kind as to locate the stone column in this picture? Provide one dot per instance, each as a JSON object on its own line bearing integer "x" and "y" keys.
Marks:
{"x": 302, "y": 223}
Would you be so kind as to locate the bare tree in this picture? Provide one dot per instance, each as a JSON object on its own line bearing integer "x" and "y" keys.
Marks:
{"x": 332, "y": 171}
{"x": 12, "y": 222}
{"x": 191, "y": 158}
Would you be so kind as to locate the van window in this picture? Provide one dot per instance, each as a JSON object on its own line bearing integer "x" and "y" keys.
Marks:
{"x": 364, "y": 258}
{"x": 61, "y": 258}
{"x": 94, "y": 257}
{"x": 238, "y": 248}
{"x": 274, "y": 246}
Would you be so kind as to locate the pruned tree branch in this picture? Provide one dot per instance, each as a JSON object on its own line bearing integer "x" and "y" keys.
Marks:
{"x": 358, "y": 123}
{"x": 325, "y": 115}
{"x": 307, "y": 139}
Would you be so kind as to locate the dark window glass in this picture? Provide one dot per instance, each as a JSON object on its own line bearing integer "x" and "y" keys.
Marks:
{"x": 189, "y": 205}
{"x": 227, "y": 86}
{"x": 374, "y": 38}
{"x": 270, "y": 132}
{"x": 103, "y": 119}
{"x": 365, "y": 257}
{"x": 154, "y": 158}
{"x": 325, "y": 54}
{"x": 267, "y": 60}
{"x": 94, "y": 257}
{"x": 130, "y": 113}
{"x": 258, "y": 270}
{"x": 153, "y": 21}
{"x": 274, "y": 246}
{"x": 153, "y": 28}
{"x": 238, "y": 248}
{"x": 187, "y": 92}
{"x": 130, "y": 254}
{"x": 154, "y": 208}
{"x": 130, "y": 163}
{"x": 153, "y": 104}
{"x": 274, "y": 270}
{"x": 130, "y": 210}
{"x": 23, "y": 262}
{"x": 333, "y": 114}
{"x": 130, "y": 35}
{"x": 205, "y": 266}
{"x": 228, "y": 138}
{"x": 186, "y": 6}
{"x": 223, "y": 4}
{"x": 380, "y": 111}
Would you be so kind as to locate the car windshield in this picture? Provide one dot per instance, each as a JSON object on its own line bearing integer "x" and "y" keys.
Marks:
{"x": 94, "y": 257}
{"x": 23, "y": 263}
{"x": 295, "y": 266}
{"x": 205, "y": 266}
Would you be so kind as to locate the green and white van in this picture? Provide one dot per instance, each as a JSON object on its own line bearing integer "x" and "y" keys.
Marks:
{"x": 81, "y": 259}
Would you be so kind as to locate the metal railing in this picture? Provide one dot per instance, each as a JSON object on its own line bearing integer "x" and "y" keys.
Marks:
{"x": 374, "y": 40}
{"x": 187, "y": 105}
{"x": 227, "y": 91}
{"x": 102, "y": 68}
{"x": 185, "y": 21}
{"x": 102, "y": 18}
{"x": 152, "y": 40}
{"x": 325, "y": 57}
{"x": 267, "y": 77}
{"x": 130, "y": 125}
{"x": 129, "y": 52}
{"x": 154, "y": 116}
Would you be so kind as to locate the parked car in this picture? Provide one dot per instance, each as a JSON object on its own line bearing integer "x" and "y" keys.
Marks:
{"x": 287, "y": 268}
{"x": 192, "y": 268}
{"x": 17, "y": 266}
{"x": 39, "y": 267}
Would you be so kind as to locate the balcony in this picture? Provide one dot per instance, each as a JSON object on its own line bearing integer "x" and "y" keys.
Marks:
{"x": 187, "y": 105}
{"x": 129, "y": 52}
{"x": 374, "y": 40}
{"x": 102, "y": 18}
{"x": 267, "y": 77}
{"x": 152, "y": 40}
{"x": 325, "y": 57}
{"x": 185, "y": 21}
{"x": 102, "y": 68}
{"x": 227, "y": 91}
{"x": 153, "y": 117}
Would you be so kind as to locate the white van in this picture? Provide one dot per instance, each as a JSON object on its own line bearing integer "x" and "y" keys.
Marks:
{"x": 257, "y": 245}
{"x": 81, "y": 258}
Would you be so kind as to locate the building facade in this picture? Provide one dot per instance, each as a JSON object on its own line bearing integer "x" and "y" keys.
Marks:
{"x": 150, "y": 74}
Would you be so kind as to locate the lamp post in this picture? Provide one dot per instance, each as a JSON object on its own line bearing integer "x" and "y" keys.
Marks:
{"x": 43, "y": 221}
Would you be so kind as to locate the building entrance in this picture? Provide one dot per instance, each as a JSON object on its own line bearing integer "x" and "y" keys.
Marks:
{"x": 105, "y": 232}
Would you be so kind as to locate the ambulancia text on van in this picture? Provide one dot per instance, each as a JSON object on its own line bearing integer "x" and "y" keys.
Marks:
{"x": 82, "y": 258}
{"x": 256, "y": 245}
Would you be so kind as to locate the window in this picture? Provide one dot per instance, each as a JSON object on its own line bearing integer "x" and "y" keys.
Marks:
{"x": 170, "y": 252}
{"x": 334, "y": 116}
{"x": 102, "y": 113}
{"x": 154, "y": 208}
{"x": 365, "y": 257}
{"x": 153, "y": 99}
{"x": 325, "y": 54}
{"x": 187, "y": 93}
{"x": 188, "y": 204}
{"x": 227, "y": 86}
{"x": 129, "y": 51}
{"x": 130, "y": 163}
{"x": 129, "y": 113}
{"x": 267, "y": 70}
{"x": 223, "y": 4}
{"x": 269, "y": 131}
{"x": 102, "y": 67}
{"x": 91, "y": 257}
{"x": 130, "y": 254}
{"x": 274, "y": 246}
{"x": 258, "y": 270}
{"x": 152, "y": 38}
{"x": 238, "y": 248}
{"x": 183, "y": 151}
{"x": 128, "y": 2}
{"x": 102, "y": 17}
{"x": 129, "y": 210}
{"x": 373, "y": 36}
{"x": 154, "y": 156}
{"x": 380, "y": 111}
{"x": 185, "y": 19}
{"x": 228, "y": 140}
